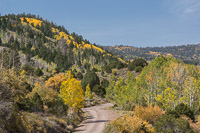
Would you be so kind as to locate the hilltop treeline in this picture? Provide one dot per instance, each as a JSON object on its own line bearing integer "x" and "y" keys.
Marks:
{"x": 188, "y": 53}
{"x": 38, "y": 38}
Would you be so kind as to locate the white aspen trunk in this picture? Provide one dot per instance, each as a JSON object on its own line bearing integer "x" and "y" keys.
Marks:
{"x": 151, "y": 94}
{"x": 2, "y": 56}
{"x": 10, "y": 61}
{"x": 13, "y": 59}
{"x": 70, "y": 113}
{"x": 190, "y": 99}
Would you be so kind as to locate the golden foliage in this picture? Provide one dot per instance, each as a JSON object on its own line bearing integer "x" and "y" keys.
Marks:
{"x": 195, "y": 126}
{"x": 150, "y": 114}
{"x": 71, "y": 92}
{"x": 47, "y": 94}
{"x": 56, "y": 81}
{"x": 88, "y": 92}
{"x": 131, "y": 124}
{"x": 14, "y": 82}
{"x": 32, "y": 20}
{"x": 89, "y": 46}
{"x": 54, "y": 30}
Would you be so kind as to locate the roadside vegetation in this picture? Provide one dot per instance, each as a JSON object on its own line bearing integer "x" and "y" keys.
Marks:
{"x": 163, "y": 98}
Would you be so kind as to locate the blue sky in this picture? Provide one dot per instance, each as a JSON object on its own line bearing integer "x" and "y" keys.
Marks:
{"x": 137, "y": 23}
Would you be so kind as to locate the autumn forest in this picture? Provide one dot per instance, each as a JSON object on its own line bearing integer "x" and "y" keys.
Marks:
{"x": 49, "y": 76}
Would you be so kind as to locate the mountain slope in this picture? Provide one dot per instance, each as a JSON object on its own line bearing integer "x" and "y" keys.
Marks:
{"x": 187, "y": 53}
{"x": 43, "y": 44}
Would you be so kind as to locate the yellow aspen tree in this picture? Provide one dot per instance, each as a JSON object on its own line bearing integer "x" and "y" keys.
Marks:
{"x": 169, "y": 99}
{"x": 191, "y": 90}
{"x": 72, "y": 94}
{"x": 88, "y": 92}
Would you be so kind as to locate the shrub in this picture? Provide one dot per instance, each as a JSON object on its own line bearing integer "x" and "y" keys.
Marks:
{"x": 104, "y": 83}
{"x": 102, "y": 73}
{"x": 99, "y": 90}
{"x": 95, "y": 70}
{"x": 128, "y": 124}
{"x": 38, "y": 72}
{"x": 137, "y": 62}
{"x": 183, "y": 109}
{"x": 56, "y": 81}
{"x": 79, "y": 75}
{"x": 120, "y": 65}
{"x": 37, "y": 103}
{"x": 57, "y": 107}
{"x": 113, "y": 64}
{"x": 130, "y": 106}
{"x": 88, "y": 92}
{"x": 150, "y": 114}
{"x": 28, "y": 68}
{"x": 131, "y": 67}
{"x": 82, "y": 71}
{"x": 173, "y": 113}
{"x": 194, "y": 126}
{"x": 170, "y": 124}
{"x": 114, "y": 72}
{"x": 90, "y": 78}
{"x": 107, "y": 69}
{"x": 138, "y": 69}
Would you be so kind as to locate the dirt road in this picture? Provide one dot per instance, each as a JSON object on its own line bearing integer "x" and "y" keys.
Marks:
{"x": 97, "y": 118}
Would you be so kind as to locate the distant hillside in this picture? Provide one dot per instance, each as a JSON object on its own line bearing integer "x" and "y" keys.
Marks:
{"x": 188, "y": 53}
{"x": 43, "y": 44}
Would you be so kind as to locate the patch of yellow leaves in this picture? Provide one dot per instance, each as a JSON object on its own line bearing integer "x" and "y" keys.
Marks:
{"x": 89, "y": 46}
{"x": 54, "y": 30}
{"x": 32, "y": 20}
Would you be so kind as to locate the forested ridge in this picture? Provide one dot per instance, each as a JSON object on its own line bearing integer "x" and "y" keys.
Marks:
{"x": 188, "y": 53}
{"x": 49, "y": 46}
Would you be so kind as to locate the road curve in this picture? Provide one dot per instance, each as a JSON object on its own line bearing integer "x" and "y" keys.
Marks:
{"x": 98, "y": 116}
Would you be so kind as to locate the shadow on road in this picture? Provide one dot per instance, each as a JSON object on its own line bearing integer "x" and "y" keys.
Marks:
{"x": 98, "y": 121}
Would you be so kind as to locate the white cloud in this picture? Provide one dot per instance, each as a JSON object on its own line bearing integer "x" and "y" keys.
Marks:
{"x": 185, "y": 7}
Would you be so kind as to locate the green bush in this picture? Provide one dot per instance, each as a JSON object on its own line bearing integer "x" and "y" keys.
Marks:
{"x": 37, "y": 103}
{"x": 113, "y": 64}
{"x": 136, "y": 63}
{"x": 82, "y": 71}
{"x": 183, "y": 109}
{"x": 173, "y": 113}
{"x": 38, "y": 72}
{"x": 104, "y": 83}
{"x": 79, "y": 75}
{"x": 102, "y": 73}
{"x": 95, "y": 70}
{"x": 57, "y": 107}
{"x": 120, "y": 65}
{"x": 107, "y": 69}
{"x": 170, "y": 124}
{"x": 28, "y": 68}
{"x": 90, "y": 78}
{"x": 130, "y": 106}
{"x": 99, "y": 90}
{"x": 138, "y": 69}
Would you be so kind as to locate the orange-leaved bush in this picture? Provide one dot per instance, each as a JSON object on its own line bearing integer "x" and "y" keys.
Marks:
{"x": 129, "y": 124}
{"x": 56, "y": 81}
{"x": 149, "y": 113}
